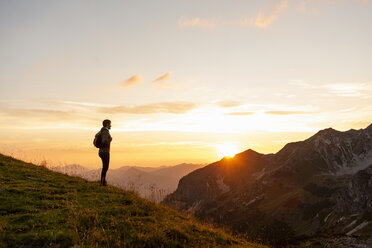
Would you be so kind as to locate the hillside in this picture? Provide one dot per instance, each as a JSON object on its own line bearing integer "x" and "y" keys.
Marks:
{"x": 151, "y": 183}
{"x": 318, "y": 188}
{"x": 41, "y": 208}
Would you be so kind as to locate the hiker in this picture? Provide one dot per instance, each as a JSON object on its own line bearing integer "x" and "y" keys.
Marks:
{"x": 104, "y": 149}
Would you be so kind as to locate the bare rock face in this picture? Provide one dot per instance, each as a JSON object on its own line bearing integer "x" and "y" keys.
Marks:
{"x": 319, "y": 186}
{"x": 357, "y": 196}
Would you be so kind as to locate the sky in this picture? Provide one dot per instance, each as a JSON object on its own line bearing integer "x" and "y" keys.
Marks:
{"x": 181, "y": 81}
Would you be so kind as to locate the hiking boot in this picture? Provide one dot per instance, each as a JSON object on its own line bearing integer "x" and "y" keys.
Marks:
{"x": 103, "y": 181}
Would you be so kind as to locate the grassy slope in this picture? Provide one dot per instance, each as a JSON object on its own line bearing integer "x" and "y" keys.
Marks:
{"x": 40, "y": 208}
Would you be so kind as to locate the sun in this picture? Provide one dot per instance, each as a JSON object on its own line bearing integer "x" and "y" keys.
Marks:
{"x": 227, "y": 149}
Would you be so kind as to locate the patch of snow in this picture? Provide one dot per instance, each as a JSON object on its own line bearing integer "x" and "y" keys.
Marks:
{"x": 326, "y": 218}
{"x": 327, "y": 141}
{"x": 361, "y": 162}
{"x": 351, "y": 224}
{"x": 222, "y": 186}
{"x": 260, "y": 197}
{"x": 195, "y": 206}
{"x": 249, "y": 203}
{"x": 357, "y": 228}
{"x": 260, "y": 174}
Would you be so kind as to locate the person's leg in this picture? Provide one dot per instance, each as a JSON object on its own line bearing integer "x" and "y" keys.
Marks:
{"x": 105, "y": 164}
{"x": 106, "y": 168}
{"x": 104, "y": 159}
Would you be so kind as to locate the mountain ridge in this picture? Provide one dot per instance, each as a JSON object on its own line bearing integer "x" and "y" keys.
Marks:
{"x": 294, "y": 189}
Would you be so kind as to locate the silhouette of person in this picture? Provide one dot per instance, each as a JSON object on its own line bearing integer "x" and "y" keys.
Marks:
{"x": 104, "y": 150}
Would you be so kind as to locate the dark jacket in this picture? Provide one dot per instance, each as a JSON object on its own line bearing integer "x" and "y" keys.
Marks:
{"x": 106, "y": 140}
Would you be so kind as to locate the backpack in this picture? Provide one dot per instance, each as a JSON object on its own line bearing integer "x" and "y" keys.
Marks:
{"x": 97, "y": 142}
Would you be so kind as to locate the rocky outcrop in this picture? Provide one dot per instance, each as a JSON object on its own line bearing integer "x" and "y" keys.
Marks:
{"x": 357, "y": 196}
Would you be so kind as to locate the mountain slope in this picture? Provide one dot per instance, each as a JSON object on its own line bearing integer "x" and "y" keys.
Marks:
{"x": 319, "y": 186}
{"x": 151, "y": 183}
{"x": 41, "y": 208}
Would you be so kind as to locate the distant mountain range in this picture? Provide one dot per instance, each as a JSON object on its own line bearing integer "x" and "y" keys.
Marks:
{"x": 151, "y": 183}
{"x": 309, "y": 190}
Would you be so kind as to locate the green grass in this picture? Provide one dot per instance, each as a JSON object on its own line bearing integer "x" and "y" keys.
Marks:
{"x": 41, "y": 208}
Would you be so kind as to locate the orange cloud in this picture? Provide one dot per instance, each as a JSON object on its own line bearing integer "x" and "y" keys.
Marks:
{"x": 287, "y": 112}
{"x": 162, "y": 81}
{"x": 349, "y": 89}
{"x": 228, "y": 104}
{"x": 262, "y": 21}
{"x": 196, "y": 22}
{"x": 161, "y": 107}
{"x": 339, "y": 89}
{"x": 163, "y": 77}
{"x": 136, "y": 79}
{"x": 41, "y": 115}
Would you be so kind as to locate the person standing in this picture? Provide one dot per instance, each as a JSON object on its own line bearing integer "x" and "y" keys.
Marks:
{"x": 104, "y": 150}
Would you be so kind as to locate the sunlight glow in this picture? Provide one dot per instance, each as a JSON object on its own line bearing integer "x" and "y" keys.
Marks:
{"x": 227, "y": 149}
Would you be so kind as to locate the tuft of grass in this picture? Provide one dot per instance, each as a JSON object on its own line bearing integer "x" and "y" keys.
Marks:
{"x": 41, "y": 208}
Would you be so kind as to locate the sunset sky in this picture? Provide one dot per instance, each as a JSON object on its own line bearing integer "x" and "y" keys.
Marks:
{"x": 182, "y": 81}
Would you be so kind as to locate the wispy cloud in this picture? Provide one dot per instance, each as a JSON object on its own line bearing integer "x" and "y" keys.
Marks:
{"x": 348, "y": 89}
{"x": 265, "y": 17}
{"x": 241, "y": 113}
{"x": 338, "y": 89}
{"x": 315, "y": 6}
{"x": 185, "y": 22}
{"x": 347, "y": 110}
{"x": 39, "y": 114}
{"x": 307, "y": 7}
{"x": 70, "y": 103}
{"x": 262, "y": 20}
{"x": 228, "y": 104}
{"x": 163, "y": 83}
{"x": 134, "y": 80}
{"x": 279, "y": 112}
{"x": 154, "y": 108}
{"x": 359, "y": 124}
{"x": 164, "y": 77}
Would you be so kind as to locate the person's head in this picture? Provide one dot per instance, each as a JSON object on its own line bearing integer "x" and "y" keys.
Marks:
{"x": 106, "y": 123}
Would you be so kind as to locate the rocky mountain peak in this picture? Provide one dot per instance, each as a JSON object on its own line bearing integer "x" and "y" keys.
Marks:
{"x": 325, "y": 133}
{"x": 369, "y": 128}
{"x": 248, "y": 152}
